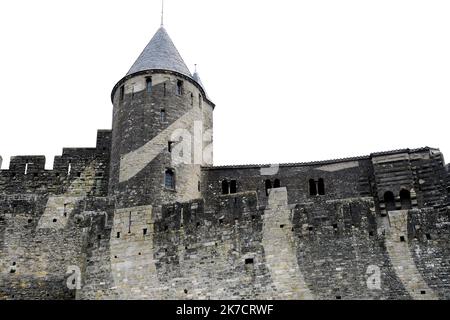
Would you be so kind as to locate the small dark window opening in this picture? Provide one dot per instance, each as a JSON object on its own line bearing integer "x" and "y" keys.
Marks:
{"x": 12, "y": 271}
{"x": 192, "y": 99}
{"x": 389, "y": 201}
{"x": 118, "y": 235}
{"x": 335, "y": 226}
{"x": 165, "y": 90}
{"x": 405, "y": 199}
{"x": 312, "y": 188}
{"x": 423, "y": 292}
{"x": 54, "y": 220}
{"x": 310, "y": 228}
{"x": 371, "y": 233}
{"x": 225, "y": 189}
{"x": 277, "y": 183}
{"x": 169, "y": 146}
{"x": 149, "y": 85}
{"x": 268, "y": 185}
{"x": 122, "y": 93}
{"x": 233, "y": 186}
{"x": 282, "y": 226}
{"x": 199, "y": 186}
{"x": 169, "y": 179}
{"x": 162, "y": 115}
{"x": 79, "y": 174}
{"x": 185, "y": 291}
{"x": 30, "y": 220}
{"x": 338, "y": 297}
{"x": 14, "y": 263}
{"x": 99, "y": 237}
{"x": 402, "y": 239}
{"x": 179, "y": 87}
{"x": 428, "y": 236}
{"x": 144, "y": 232}
{"x": 249, "y": 261}
{"x": 321, "y": 187}
{"x": 200, "y": 100}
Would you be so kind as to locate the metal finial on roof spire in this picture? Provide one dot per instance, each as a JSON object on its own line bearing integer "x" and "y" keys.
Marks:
{"x": 162, "y": 13}
{"x": 195, "y": 67}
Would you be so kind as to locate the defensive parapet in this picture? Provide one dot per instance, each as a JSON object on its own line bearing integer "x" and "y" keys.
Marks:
{"x": 27, "y": 174}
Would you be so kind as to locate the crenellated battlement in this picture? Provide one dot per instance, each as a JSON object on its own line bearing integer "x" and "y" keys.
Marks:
{"x": 27, "y": 174}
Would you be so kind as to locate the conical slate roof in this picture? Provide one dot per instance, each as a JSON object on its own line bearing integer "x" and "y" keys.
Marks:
{"x": 160, "y": 53}
{"x": 196, "y": 77}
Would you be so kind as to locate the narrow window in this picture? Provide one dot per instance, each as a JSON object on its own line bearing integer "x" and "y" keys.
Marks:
{"x": 268, "y": 185}
{"x": 312, "y": 188}
{"x": 118, "y": 235}
{"x": 249, "y": 261}
{"x": 389, "y": 201}
{"x": 198, "y": 186}
{"x": 169, "y": 146}
{"x": 162, "y": 115}
{"x": 225, "y": 189}
{"x": 192, "y": 99}
{"x": 179, "y": 87}
{"x": 144, "y": 232}
{"x": 165, "y": 90}
{"x": 321, "y": 187}
{"x": 276, "y": 183}
{"x": 200, "y": 100}
{"x": 149, "y": 85}
{"x": 233, "y": 186}
{"x": 405, "y": 199}
{"x": 122, "y": 93}
{"x": 170, "y": 179}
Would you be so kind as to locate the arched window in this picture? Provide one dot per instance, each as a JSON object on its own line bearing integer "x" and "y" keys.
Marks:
{"x": 169, "y": 179}
{"x": 233, "y": 186}
{"x": 276, "y": 183}
{"x": 312, "y": 187}
{"x": 405, "y": 199}
{"x": 389, "y": 201}
{"x": 268, "y": 185}
{"x": 225, "y": 189}
{"x": 321, "y": 187}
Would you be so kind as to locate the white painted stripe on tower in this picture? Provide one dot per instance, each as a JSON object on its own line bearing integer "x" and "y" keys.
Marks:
{"x": 134, "y": 162}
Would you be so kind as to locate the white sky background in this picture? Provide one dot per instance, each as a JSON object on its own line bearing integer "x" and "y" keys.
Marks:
{"x": 293, "y": 81}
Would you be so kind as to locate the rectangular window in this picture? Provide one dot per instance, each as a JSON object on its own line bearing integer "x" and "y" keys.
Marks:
{"x": 169, "y": 146}
{"x": 200, "y": 100}
{"x": 169, "y": 179}
{"x": 179, "y": 87}
{"x": 163, "y": 115}
{"x": 149, "y": 85}
{"x": 233, "y": 186}
{"x": 122, "y": 93}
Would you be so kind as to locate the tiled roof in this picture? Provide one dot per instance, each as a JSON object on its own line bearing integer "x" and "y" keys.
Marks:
{"x": 160, "y": 53}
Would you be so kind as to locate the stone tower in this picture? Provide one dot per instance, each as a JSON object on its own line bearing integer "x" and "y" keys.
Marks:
{"x": 162, "y": 129}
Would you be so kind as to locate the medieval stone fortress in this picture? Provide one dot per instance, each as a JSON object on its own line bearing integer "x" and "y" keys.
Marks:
{"x": 145, "y": 214}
